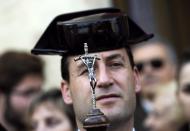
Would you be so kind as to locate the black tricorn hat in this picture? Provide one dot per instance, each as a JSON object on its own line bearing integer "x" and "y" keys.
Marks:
{"x": 102, "y": 29}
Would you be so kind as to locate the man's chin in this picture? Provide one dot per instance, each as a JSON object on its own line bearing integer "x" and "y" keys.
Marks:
{"x": 111, "y": 112}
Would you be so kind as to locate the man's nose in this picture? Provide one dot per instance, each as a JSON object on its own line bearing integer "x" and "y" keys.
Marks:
{"x": 104, "y": 77}
{"x": 148, "y": 68}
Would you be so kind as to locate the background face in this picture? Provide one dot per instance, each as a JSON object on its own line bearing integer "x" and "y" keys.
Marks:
{"x": 184, "y": 93}
{"x": 162, "y": 117}
{"x": 47, "y": 117}
{"x": 159, "y": 123}
{"x": 115, "y": 89}
{"x": 152, "y": 78}
{"x": 20, "y": 98}
{"x": 22, "y": 95}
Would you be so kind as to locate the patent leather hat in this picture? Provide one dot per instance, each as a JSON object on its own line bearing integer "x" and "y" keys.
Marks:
{"x": 102, "y": 29}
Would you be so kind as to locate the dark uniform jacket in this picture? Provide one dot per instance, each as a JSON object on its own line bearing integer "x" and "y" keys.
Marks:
{"x": 140, "y": 116}
{"x": 2, "y": 128}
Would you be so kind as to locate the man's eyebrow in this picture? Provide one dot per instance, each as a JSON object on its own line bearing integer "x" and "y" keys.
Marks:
{"x": 80, "y": 65}
{"x": 114, "y": 56}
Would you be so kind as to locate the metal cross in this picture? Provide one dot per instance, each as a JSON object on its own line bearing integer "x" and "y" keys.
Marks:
{"x": 89, "y": 61}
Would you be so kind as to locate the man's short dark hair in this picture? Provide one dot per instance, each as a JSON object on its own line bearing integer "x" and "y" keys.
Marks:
{"x": 65, "y": 64}
{"x": 14, "y": 66}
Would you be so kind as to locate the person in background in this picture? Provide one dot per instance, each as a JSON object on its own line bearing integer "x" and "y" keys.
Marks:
{"x": 183, "y": 78}
{"x": 167, "y": 114}
{"x": 156, "y": 61}
{"x": 21, "y": 79}
{"x": 48, "y": 112}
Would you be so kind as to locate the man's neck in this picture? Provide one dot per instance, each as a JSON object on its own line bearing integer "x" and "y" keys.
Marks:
{"x": 123, "y": 127}
{"x": 127, "y": 126}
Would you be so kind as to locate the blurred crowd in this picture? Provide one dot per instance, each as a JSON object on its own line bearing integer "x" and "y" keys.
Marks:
{"x": 162, "y": 105}
{"x": 24, "y": 105}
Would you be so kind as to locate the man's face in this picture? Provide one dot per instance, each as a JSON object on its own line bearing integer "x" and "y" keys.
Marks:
{"x": 22, "y": 95}
{"x": 184, "y": 89}
{"x": 115, "y": 90}
{"x": 154, "y": 65}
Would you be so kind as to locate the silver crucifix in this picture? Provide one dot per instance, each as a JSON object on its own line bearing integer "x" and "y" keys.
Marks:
{"x": 89, "y": 61}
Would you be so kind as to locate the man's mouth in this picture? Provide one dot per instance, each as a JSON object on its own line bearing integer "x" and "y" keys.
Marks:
{"x": 107, "y": 97}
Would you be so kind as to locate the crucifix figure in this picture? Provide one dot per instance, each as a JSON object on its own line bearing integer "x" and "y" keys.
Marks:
{"x": 89, "y": 61}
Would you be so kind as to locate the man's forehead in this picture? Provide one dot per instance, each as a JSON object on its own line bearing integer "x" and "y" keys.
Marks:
{"x": 104, "y": 54}
{"x": 30, "y": 82}
{"x": 156, "y": 51}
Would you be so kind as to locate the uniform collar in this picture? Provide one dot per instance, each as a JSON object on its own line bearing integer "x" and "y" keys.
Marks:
{"x": 132, "y": 129}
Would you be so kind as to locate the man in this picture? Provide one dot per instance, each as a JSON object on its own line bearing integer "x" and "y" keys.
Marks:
{"x": 156, "y": 62}
{"x": 108, "y": 33}
{"x": 21, "y": 79}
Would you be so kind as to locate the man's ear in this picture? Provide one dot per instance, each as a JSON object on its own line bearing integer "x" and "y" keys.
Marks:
{"x": 137, "y": 80}
{"x": 66, "y": 93}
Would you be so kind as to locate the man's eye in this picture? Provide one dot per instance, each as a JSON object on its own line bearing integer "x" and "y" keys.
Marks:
{"x": 83, "y": 72}
{"x": 186, "y": 89}
{"x": 116, "y": 64}
{"x": 52, "y": 122}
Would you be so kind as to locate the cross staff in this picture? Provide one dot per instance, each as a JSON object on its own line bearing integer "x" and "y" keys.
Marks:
{"x": 89, "y": 61}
